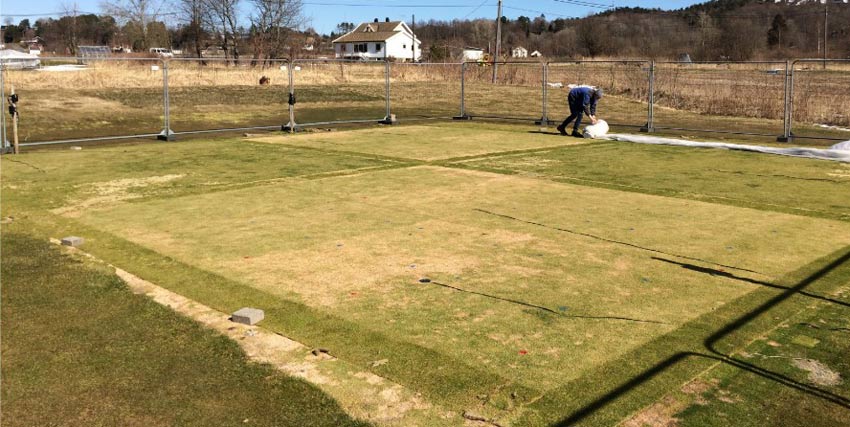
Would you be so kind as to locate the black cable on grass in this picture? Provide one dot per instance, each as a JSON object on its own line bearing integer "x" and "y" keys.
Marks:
{"x": 512, "y": 301}
{"x": 26, "y": 164}
{"x": 538, "y": 307}
{"x": 631, "y": 245}
{"x": 627, "y": 319}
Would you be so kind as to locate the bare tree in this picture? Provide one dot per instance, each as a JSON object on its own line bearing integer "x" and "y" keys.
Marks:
{"x": 272, "y": 23}
{"x": 141, "y": 13}
{"x": 193, "y": 13}
{"x": 223, "y": 16}
{"x": 68, "y": 27}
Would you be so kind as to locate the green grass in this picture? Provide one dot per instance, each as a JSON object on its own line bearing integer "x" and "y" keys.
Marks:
{"x": 426, "y": 142}
{"x": 80, "y": 349}
{"x": 782, "y": 184}
{"x": 739, "y": 395}
{"x": 620, "y": 267}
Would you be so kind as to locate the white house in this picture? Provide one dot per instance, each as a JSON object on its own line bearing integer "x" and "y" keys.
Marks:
{"x": 473, "y": 54}
{"x": 377, "y": 41}
{"x": 519, "y": 52}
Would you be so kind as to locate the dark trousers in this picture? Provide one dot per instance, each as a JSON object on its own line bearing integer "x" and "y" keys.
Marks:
{"x": 576, "y": 113}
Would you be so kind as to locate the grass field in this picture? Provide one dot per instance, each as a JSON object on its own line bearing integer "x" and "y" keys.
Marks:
{"x": 496, "y": 270}
{"x": 79, "y": 349}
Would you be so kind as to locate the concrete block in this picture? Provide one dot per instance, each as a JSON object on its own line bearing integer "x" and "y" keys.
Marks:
{"x": 72, "y": 241}
{"x": 248, "y": 316}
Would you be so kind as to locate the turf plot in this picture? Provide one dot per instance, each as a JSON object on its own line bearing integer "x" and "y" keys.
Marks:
{"x": 534, "y": 285}
{"x": 536, "y": 282}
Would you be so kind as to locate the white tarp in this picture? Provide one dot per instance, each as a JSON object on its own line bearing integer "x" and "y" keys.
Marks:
{"x": 14, "y": 60}
{"x": 596, "y": 131}
{"x": 839, "y": 152}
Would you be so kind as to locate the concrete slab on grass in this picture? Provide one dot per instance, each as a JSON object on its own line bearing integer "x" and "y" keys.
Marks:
{"x": 248, "y": 316}
{"x": 72, "y": 241}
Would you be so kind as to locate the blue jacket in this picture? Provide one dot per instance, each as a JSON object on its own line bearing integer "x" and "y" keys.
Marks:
{"x": 582, "y": 98}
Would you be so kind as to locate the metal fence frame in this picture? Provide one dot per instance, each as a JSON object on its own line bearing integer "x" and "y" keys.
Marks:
{"x": 90, "y": 139}
{"x": 726, "y": 132}
{"x": 464, "y": 113}
{"x": 171, "y": 135}
{"x": 292, "y": 125}
{"x": 788, "y": 120}
{"x": 426, "y": 64}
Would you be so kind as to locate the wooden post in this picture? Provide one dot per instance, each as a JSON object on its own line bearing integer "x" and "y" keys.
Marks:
{"x": 14, "y": 106}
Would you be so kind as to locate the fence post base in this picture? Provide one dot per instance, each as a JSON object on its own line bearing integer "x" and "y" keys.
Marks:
{"x": 544, "y": 121}
{"x": 463, "y": 117}
{"x": 647, "y": 129}
{"x": 783, "y": 138}
{"x": 166, "y": 135}
{"x": 389, "y": 120}
{"x": 289, "y": 127}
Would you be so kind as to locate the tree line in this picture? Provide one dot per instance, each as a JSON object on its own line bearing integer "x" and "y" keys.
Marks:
{"x": 717, "y": 30}
{"x": 194, "y": 26}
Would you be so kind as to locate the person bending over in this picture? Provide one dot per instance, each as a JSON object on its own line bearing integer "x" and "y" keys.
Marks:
{"x": 582, "y": 100}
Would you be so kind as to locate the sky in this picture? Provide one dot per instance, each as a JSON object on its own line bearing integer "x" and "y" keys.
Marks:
{"x": 324, "y": 15}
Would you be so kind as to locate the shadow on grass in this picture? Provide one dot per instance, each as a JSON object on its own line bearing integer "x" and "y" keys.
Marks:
{"x": 714, "y": 354}
{"x": 726, "y": 274}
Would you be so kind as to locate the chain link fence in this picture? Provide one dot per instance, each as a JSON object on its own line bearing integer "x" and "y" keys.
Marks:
{"x": 423, "y": 91}
{"x": 504, "y": 90}
{"x": 338, "y": 91}
{"x": 744, "y": 98}
{"x": 218, "y": 94}
{"x": 66, "y": 100}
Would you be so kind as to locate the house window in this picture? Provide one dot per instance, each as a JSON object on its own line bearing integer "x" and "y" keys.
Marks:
{"x": 361, "y": 47}
{"x": 377, "y": 47}
{"x": 404, "y": 46}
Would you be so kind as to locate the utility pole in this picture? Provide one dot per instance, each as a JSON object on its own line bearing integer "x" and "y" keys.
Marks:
{"x": 498, "y": 42}
{"x": 413, "y": 42}
{"x": 825, "y": 31}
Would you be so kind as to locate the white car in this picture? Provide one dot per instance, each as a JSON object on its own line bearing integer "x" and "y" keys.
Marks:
{"x": 162, "y": 52}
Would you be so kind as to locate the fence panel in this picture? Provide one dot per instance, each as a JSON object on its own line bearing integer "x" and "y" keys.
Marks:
{"x": 746, "y": 98}
{"x": 625, "y": 83}
{"x": 214, "y": 94}
{"x": 67, "y": 99}
{"x": 339, "y": 91}
{"x": 516, "y": 94}
{"x": 821, "y": 100}
{"x": 425, "y": 90}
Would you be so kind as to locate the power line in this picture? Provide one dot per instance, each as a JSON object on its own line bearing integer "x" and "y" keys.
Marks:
{"x": 34, "y": 15}
{"x": 403, "y": 6}
{"x": 585, "y": 4}
{"x": 538, "y": 11}
{"x": 475, "y": 10}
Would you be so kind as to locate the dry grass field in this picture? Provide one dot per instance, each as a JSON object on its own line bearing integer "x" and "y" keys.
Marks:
{"x": 111, "y": 98}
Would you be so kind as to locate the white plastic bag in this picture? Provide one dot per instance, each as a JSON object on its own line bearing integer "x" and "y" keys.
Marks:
{"x": 596, "y": 131}
{"x": 844, "y": 146}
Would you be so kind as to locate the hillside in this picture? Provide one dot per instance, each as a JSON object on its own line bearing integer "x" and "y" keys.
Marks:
{"x": 715, "y": 30}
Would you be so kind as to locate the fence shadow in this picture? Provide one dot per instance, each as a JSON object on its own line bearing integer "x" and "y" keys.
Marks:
{"x": 715, "y": 354}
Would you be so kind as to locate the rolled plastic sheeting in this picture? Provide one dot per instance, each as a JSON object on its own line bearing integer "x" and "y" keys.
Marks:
{"x": 599, "y": 130}
{"x": 841, "y": 154}
{"x": 844, "y": 146}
